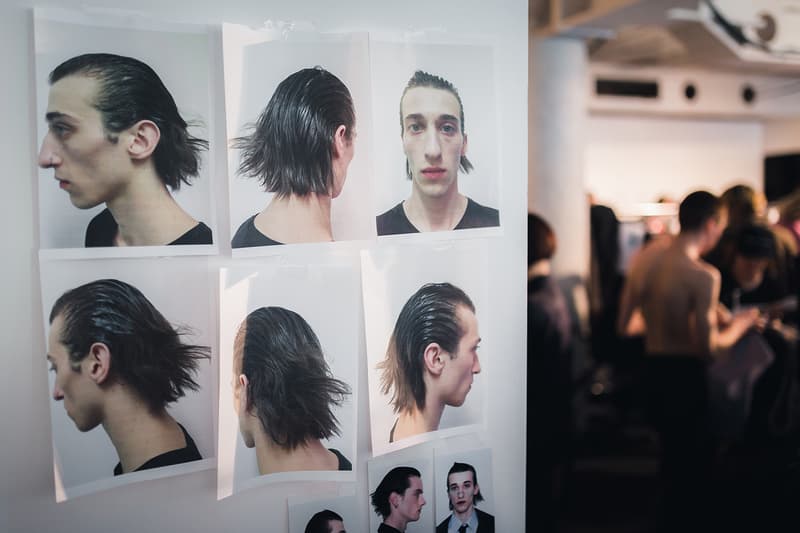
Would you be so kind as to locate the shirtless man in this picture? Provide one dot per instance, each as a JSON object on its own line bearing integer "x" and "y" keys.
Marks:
{"x": 678, "y": 294}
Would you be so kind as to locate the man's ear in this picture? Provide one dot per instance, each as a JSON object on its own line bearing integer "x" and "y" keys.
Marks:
{"x": 98, "y": 363}
{"x": 340, "y": 140}
{"x": 394, "y": 500}
{"x": 464, "y": 146}
{"x": 433, "y": 358}
{"x": 144, "y": 137}
{"x": 240, "y": 390}
{"x": 477, "y": 489}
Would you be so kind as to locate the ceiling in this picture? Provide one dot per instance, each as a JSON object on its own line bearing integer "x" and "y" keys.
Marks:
{"x": 652, "y": 33}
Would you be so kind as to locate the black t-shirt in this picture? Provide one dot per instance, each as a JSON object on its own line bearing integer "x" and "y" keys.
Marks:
{"x": 174, "y": 457}
{"x": 102, "y": 230}
{"x": 344, "y": 464}
{"x": 383, "y": 528}
{"x": 394, "y": 221}
{"x": 248, "y": 236}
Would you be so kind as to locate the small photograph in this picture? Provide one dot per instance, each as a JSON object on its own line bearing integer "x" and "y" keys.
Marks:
{"x": 123, "y": 137}
{"x": 323, "y": 515}
{"x": 463, "y": 503}
{"x": 426, "y": 341}
{"x": 400, "y": 492}
{"x": 299, "y": 138}
{"x": 442, "y": 172}
{"x": 289, "y": 350}
{"x": 131, "y": 371}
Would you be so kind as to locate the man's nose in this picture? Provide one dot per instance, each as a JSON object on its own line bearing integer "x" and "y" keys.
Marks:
{"x": 58, "y": 394}
{"x": 476, "y": 365}
{"x": 433, "y": 147}
{"x": 422, "y": 499}
{"x": 48, "y": 158}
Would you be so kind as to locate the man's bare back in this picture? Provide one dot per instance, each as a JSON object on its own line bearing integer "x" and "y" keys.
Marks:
{"x": 679, "y": 299}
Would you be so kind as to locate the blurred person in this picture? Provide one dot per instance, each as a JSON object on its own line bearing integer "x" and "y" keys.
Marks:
{"x": 550, "y": 412}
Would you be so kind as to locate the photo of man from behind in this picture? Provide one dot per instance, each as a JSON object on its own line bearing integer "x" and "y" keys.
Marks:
{"x": 299, "y": 149}
{"x": 115, "y": 137}
{"x": 431, "y": 359}
{"x": 398, "y": 499}
{"x": 118, "y": 363}
{"x": 284, "y": 393}
{"x": 435, "y": 144}
{"x": 326, "y": 521}
{"x": 463, "y": 492}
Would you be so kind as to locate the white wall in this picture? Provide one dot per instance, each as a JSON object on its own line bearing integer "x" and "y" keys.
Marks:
{"x": 637, "y": 159}
{"x": 781, "y": 136}
{"x": 188, "y": 503}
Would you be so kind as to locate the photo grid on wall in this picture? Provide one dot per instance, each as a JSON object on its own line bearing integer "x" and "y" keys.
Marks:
{"x": 363, "y": 192}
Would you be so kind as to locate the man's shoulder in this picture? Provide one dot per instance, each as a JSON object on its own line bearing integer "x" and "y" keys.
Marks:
{"x": 394, "y": 222}
{"x": 478, "y": 216}
{"x": 442, "y": 527}
{"x": 484, "y": 518}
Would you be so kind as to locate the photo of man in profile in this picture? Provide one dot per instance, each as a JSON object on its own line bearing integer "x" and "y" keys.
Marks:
{"x": 284, "y": 393}
{"x": 325, "y": 521}
{"x": 115, "y": 137}
{"x": 299, "y": 149}
{"x": 435, "y": 144}
{"x": 398, "y": 499}
{"x": 118, "y": 363}
{"x": 463, "y": 492}
{"x": 431, "y": 358}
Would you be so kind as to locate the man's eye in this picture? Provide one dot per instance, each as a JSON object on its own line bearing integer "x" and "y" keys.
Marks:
{"x": 414, "y": 128}
{"x": 449, "y": 129}
{"x": 59, "y": 130}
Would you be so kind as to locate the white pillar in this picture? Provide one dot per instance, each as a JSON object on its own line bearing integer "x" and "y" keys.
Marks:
{"x": 558, "y": 107}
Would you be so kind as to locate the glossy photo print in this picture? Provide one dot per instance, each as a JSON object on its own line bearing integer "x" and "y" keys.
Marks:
{"x": 436, "y": 161}
{"x": 124, "y": 140}
{"x": 428, "y": 341}
{"x": 323, "y": 515}
{"x": 131, "y": 371}
{"x": 290, "y": 339}
{"x": 299, "y": 138}
{"x": 400, "y": 487}
{"x": 463, "y": 490}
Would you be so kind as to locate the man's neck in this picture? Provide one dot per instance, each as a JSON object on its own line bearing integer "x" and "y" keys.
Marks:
{"x": 465, "y": 516}
{"x": 311, "y": 455}
{"x": 435, "y": 213}
{"x": 294, "y": 219}
{"x": 397, "y": 522}
{"x": 146, "y": 214}
{"x": 137, "y": 434}
{"x": 691, "y": 244}
{"x": 415, "y": 421}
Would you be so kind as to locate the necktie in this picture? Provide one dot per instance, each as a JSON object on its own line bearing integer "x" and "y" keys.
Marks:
{"x": 463, "y": 528}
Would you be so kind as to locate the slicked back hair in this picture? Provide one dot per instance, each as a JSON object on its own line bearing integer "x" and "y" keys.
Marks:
{"x": 428, "y": 316}
{"x": 291, "y": 389}
{"x": 697, "y": 209}
{"x": 130, "y": 91}
{"x": 291, "y": 147}
{"x": 463, "y": 467}
{"x": 319, "y": 522}
{"x": 397, "y": 480}
{"x": 146, "y": 351}
{"x": 432, "y": 81}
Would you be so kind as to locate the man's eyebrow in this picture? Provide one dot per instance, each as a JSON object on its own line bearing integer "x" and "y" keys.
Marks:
{"x": 48, "y": 357}
{"x": 55, "y": 115}
{"x": 448, "y": 117}
{"x": 414, "y": 116}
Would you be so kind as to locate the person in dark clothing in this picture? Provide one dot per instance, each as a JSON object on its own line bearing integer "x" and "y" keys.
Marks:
{"x": 549, "y": 428}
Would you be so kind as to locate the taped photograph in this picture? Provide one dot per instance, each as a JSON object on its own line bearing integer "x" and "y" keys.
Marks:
{"x": 428, "y": 343}
{"x": 464, "y": 489}
{"x": 323, "y": 515}
{"x": 131, "y": 370}
{"x": 299, "y": 136}
{"x": 290, "y": 342}
{"x": 436, "y": 162}
{"x": 400, "y": 492}
{"x": 123, "y": 133}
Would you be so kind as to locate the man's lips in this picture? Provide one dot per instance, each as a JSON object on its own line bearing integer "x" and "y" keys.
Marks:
{"x": 434, "y": 172}
{"x": 62, "y": 183}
